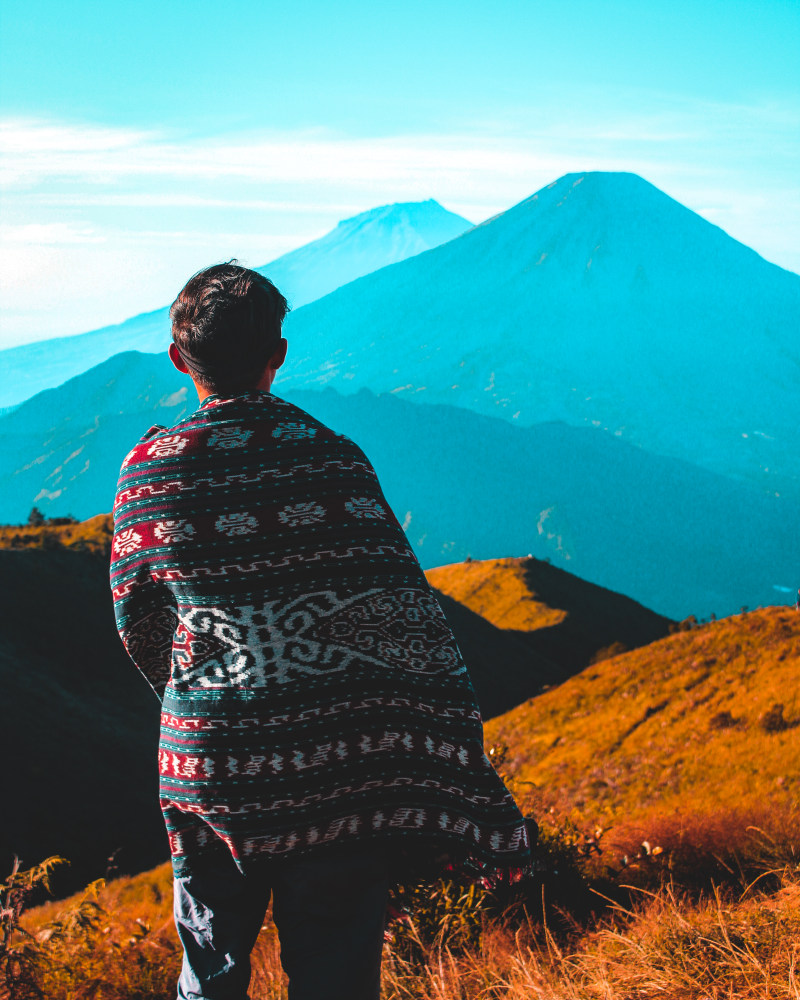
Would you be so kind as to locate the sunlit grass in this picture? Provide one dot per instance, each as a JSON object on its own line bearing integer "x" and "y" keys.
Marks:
{"x": 703, "y": 721}
{"x": 93, "y": 535}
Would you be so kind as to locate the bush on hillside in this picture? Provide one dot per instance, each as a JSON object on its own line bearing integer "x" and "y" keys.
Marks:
{"x": 21, "y": 960}
{"x": 773, "y": 721}
{"x": 86, "y": 949}
{"x": 702, "y": 852}
{"x": 35, "y": 518}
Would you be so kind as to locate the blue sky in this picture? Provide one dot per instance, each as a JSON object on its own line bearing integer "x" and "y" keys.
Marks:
{"x": 143, "y": 141}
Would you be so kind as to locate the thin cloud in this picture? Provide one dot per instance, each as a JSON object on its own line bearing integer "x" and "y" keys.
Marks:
{"x": 30, "y": 135}
{"x": 49, "y": 234}
{"x": 187, "y": 200}
{"x": 33, "y": 152}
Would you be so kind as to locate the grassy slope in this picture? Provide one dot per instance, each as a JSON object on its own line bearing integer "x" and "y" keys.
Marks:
{"x": 558, "y": 616}
{"x": 643, "y": 734}
{"x": 496, "y": 589}
{"x": 92, "y": 535}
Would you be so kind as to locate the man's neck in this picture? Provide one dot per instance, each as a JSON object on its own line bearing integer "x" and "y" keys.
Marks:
{"x": 264, "y": 384}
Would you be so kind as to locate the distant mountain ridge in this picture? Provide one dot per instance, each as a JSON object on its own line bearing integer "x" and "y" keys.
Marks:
{"x": 360, "y": 245}
{"x": 599, "y": 300}
{"x": 353, "y": 248}
{"x": 669, "y": 534}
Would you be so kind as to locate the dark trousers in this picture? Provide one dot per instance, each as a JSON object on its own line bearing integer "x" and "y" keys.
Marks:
{"x": 329, "y": 911}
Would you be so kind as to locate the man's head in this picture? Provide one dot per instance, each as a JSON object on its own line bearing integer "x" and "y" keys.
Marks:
{"x": 226, "y": 330}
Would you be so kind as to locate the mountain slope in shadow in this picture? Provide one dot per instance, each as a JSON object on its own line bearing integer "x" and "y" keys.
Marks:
{"x": 80, "y": 727}
{"x": 560, "y": 619}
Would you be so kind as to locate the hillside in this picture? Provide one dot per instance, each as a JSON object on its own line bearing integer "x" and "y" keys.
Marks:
{"x": 357, "y": 246}
{"x": 703, "y": 722}
{"x": 599, "y": 301}
{"x": 542, "y": 623}
{"x": 673, "y": 536}
{"x": 674, "y": 748}
{"x": 79, "y": 777}
{"x": 93, "y": 535}
{"x": 555, "y": 614}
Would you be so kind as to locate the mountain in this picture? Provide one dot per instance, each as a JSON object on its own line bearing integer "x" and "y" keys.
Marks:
{"x": 355, "y": 247}
{"x": 556, "y": 615}
{"x": 675, "y": 537}
{"x": 701, "y": 722}
{"x": 542, "y": 623}
{"x": 363, "y": 244}
{"x": 598, "y": 301}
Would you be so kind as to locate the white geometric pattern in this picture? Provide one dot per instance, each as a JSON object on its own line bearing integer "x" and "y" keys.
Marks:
{"x": 294, "y": 431}
{"x": 127, "y": 541}
{"x": 365, "y": 507}
{"x": 165, "y": 447}
{"x": 177, "y": 530}
{"x": 317, "y": 634}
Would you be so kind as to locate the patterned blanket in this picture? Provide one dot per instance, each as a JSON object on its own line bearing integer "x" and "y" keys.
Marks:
{"x": 312, "y": 691}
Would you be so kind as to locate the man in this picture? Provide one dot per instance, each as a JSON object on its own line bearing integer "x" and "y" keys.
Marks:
{"x": 319, "y": 728}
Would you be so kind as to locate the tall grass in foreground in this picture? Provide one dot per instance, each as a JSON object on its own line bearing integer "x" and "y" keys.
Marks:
{"x": 668, "y": 938}
{"x": 663, "y": 946}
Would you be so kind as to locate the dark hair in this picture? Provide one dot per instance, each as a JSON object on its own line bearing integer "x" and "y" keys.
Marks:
{"x": 226, "y": 325}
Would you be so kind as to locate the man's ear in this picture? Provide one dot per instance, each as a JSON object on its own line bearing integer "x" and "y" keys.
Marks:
{"x": 279, "y": 356}
{"x": 177, "y": 360}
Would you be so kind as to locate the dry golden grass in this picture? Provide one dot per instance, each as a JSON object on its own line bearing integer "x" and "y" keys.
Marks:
{"x": 548, "y": 611}
{"x": 498, "y": 590}
{"x": 93, "y": 535}
{"x": 115, "y": 942}
{"x": 662, "y": 946}
{"x": 673, "y": 733}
